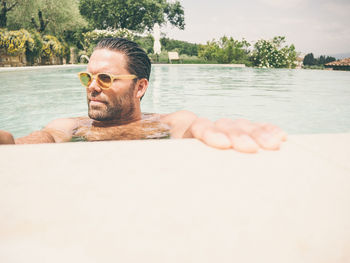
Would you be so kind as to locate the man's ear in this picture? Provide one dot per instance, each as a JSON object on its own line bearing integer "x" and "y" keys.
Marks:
{"x": 141, "y": 88}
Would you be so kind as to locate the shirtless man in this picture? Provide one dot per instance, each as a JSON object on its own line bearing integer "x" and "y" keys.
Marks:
{"x": 116, "y": 79}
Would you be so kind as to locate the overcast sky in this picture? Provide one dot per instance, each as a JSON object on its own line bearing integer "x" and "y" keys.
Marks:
{"x": 318, "y": 26}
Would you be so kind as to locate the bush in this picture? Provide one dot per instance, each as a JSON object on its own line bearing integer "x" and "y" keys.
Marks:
{"x": 52, "y": 47}
{"x": 271, "y": 54}
{"x": 182, "y": 47}
{"x": 32, "y": 44}
{"x": 16, "y": 42}
{"x": 145, "y": 42}
{"x": 225, "y": 51}
{"x": 33, "y": 50}
{"x": 186, "y": 59}
{"x": 313, "y": 67}
{"x": 161, "y": 58}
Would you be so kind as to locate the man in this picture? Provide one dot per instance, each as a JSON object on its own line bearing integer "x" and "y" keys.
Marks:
{"x": 116, "y": 79}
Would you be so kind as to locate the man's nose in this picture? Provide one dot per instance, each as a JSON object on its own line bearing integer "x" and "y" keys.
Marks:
{"x": 94, "y": 86}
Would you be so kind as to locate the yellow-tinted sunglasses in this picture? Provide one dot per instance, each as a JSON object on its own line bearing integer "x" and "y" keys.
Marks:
{"x": 104, "y": 80}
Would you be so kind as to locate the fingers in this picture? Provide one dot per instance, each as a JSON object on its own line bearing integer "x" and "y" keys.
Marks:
{"x": 214, "y": 138}
{"x": 265, "y": 139}
{"x": 244, "y": 143}
{"x": 276, "y": 131}
{"x": 238, "y": 132}
{"x": 205, "y": 130}
{"x": 241, "y": 135}
{"x": 248, "y": 137}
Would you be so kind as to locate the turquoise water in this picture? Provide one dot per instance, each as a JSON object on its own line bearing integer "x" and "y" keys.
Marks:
{"x": 299, "y": 101}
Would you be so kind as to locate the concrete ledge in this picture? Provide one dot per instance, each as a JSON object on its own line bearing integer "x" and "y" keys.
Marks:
{"x": 176, "y": 201}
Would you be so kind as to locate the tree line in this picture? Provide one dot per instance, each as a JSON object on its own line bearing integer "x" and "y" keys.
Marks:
{"x": 57, "y": 16}
{"x": 310, "y": 60}
{"x": 24, "y": 23}
{"x": 60, "y": 24}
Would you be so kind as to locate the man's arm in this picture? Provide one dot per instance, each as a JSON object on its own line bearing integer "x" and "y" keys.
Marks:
{"x": 59, "y": 130}
{"x": 36, "y": 137}
{"x": 241, "y": 135}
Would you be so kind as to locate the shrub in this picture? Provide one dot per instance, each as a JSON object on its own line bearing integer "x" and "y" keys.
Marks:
{"x": 225, "y": 50}
{"x": 146, "y": 42}
{"x": 182, "y": 47}
{"x": 33, "y": 49}
{"x": 16, "y": 42}
{"x": 51, "y": 46}
{"x": 271, "y": 54}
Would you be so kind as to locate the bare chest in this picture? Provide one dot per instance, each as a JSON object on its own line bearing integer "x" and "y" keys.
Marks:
{"x": 148, "y": 129}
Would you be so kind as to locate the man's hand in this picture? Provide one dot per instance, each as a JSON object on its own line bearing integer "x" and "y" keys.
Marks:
{"x": 241, "y": 135}
{"x": 6, "y": 138}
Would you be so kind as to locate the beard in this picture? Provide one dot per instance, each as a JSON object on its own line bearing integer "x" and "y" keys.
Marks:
{"x": 117, "y": 108}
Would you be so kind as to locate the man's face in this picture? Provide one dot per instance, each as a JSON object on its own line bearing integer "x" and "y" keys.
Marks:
{"x": 118, "y": 101}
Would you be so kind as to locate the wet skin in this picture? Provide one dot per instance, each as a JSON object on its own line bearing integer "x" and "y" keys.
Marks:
{"x": 149, "y": 127}
{"x": 115, "y": 114}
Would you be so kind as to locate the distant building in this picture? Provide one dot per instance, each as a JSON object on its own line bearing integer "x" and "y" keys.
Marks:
{"x": 299, "y": 61}
{"x": 343, "y": 64}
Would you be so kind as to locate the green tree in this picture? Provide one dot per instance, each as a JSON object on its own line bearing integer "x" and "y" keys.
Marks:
{"x": 146, "y": 42}
{"x": 49, "y": 16}
{"x": 321, "y": 60}
{"x": 309, "y": 60}
{"x": 226, "y": 50}
{"x": 272, "y": 53}
{"x": 182, "y": 47}
{"x": 41, "y": 26}
{"x": 209, "y": 51}
{"x": 6, "y": 6}
{"x": 133, "y": 15}
{"x": 329, "y": 59}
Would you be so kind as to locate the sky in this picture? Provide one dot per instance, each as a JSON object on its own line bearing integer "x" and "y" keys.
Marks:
{"x": 318, "y": 26}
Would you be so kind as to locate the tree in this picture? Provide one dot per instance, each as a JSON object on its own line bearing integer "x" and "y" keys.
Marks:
{"x": 226, "y": 50}
{"x": 329, "y": 59}
{"x": 272, "y": 53}
{"x": 321, "y": 60}
{"x": 63, "y": 15}
{"x": 182, "y": 47}
{"x": 309, "y": 60}
{"x": 133, "y": 15}
{"x": 42, "y": 22}
{"x": 7, "y": 6}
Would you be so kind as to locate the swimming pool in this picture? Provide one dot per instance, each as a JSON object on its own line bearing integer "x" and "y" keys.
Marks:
{"x": 299, "y": 101}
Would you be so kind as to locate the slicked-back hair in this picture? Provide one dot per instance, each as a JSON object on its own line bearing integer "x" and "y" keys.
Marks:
{"x": 138, "y": 63}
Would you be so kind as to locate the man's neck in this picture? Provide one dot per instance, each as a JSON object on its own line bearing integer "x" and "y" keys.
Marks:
{"x": 136, "y": 116}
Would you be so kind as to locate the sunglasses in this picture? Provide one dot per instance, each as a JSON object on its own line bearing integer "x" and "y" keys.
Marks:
{"x": 104, "y": 80}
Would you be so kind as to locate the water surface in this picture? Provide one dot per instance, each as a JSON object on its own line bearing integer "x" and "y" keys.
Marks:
{"x": 299, "y": 101}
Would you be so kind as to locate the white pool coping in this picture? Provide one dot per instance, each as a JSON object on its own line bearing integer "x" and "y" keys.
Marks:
{"x": 176, "y": 201}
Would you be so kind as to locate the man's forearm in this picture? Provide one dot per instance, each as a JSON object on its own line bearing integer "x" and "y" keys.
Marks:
{"x": 36, "y": 137}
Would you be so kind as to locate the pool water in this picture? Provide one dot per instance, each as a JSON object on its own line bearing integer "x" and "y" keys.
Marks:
{"x": 299, "y": 101}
